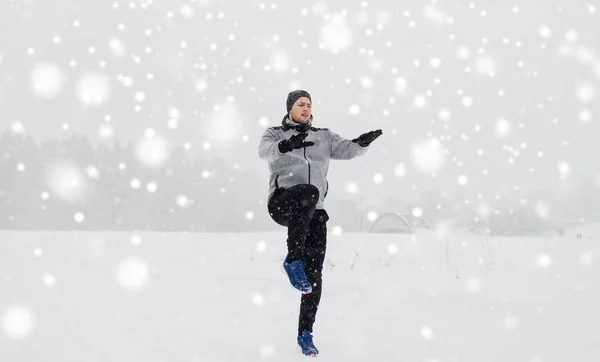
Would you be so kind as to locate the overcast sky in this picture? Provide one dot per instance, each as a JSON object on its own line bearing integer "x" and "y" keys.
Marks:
{"x": 485, "y": 95}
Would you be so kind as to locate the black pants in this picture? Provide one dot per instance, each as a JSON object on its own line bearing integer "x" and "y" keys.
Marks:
{"x": 294, "y": 208}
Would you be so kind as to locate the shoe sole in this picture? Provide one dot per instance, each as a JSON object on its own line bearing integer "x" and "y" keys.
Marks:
{"x": 308, "y": 355}
{"x": 288, "y": 279}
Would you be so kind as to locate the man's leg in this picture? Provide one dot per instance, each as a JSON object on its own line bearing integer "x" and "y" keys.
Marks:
{"x": 314, "y": 257}
{"x": 294, "y": 208}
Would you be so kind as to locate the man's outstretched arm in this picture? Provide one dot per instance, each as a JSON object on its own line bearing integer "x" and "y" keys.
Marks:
{"x": 345, "y": 149}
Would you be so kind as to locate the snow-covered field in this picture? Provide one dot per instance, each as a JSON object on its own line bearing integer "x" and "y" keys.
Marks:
{"x": 432, "y": 296}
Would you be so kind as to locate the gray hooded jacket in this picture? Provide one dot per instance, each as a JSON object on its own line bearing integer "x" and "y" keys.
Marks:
{"x": 307, "y": 165}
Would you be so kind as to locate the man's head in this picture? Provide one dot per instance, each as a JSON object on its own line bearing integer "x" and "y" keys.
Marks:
{"x": 299, "y": 106}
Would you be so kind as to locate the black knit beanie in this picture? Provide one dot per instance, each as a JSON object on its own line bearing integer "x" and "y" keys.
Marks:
{"x": 293, "y": 97}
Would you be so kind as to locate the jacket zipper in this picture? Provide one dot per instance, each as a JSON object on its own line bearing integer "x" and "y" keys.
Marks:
{"x": 308, "y": 164}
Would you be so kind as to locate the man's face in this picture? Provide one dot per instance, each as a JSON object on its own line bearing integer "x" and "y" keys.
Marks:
{"x": 301, "y": 110}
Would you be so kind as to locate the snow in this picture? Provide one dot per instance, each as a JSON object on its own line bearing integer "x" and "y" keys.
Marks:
{"x": 401, "y": 85}
{"x": 224, "y": 124}
{"x": 336, "y": 36}
{"x": 542, "y": 209}
{"x": 183, "y": 201}
{"x": 544, "y": 31}
{"x": 92, "y": 171}
{"x": 261, "y": 246}
{"x": 378, "y": 178}
{"x": 488, "y": 109}
{"x": 486, "y": 66}
{"x": 337, "y": 230}
{"x": 93, "y": 89}
{"x": 417, "y": 212}
{"x": 543, "y": 261}
{"x": 106, "y": 131}
{"x": 79, "y": 217}
{"x": 585, "y": 115}
{"x": 427, "y": 333}
{"x": 151, "y": 187}
{"x": 351, "y": 187}
{"x": 354, "y": 110}
{"x": 585, "y": 92}
{"x": 502, "y": 128}
{"x": 152, "y": 150}
{"x": 420, "y": 101}
{"x": 135, "y": 184}
{"x": 17, "y": 127}
{"x": 117, "y": 47}
{"x": 467, "y": 101}
{"x": 280, "y": 62}
{"x": 67, "y": 181}
{"x": 47, "y": 80}
{"x": 136, "y": 240}
{"x": 564, "y": 168}
{"x": 132, "y": 274}
{"x": 49, "y": 280}
{"x": 586, "y": 258}
{"x": 436, "y": 16}
{"x": 393, "y": 248}
{"x": 187, "y": 296}
{"x": 428, "y": 155}
{"x": 400, "y": 171}
{"x": 17, "y": 322}
{"x": 372, "y": 216}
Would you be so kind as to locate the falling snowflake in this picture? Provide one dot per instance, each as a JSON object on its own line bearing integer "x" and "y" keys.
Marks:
{"x": 79, "y": 217}
{"x": 401, "y": 85}
{"x": 427, "y": 333}
{"x": 93, "y": 89}
{"x": 47, "y": 80}
{"x": 152, "y": 150}
{"x": 261, "y": 246}
{"x": 502, "y": 128}
{"x": 18, "y": 322}
{"x": 258, "y": 299}
{"x": 337, "y": 230}
{"x": 135, "y": 184}
{"x": 136, "y": 240}
{"x": 542, "y": 209}
{"x": 428, "y": 155}
{"x": 49, "y": 280}
{"x": 336, "y": 36}
{"x": 352, "y": 187}
{"x": 378, "y": 178}
{"x": 543, "y": 261}
{"x": 151, "y": 187}
{"x": 132, "y": 274}
{"x": 372, "y": 216}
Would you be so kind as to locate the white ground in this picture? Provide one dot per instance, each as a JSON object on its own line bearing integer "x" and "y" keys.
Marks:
{"x": 172, "y": 297}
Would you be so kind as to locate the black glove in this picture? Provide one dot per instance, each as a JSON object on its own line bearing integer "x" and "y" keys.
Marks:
{"x": 294, "y": 142}
{"x": 365, "y": 139}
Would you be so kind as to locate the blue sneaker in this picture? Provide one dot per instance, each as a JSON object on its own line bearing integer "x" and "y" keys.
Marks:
{"x": 306, "y": 344}
{"x": 295, "y": 271}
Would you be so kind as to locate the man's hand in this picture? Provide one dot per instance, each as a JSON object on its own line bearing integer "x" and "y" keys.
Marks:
{"x": 294, "y": 142}
{"x": 365, "y": 139}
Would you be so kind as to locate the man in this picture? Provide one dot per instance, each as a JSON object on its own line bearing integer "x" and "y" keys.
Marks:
{"x": 298, "y": 156}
